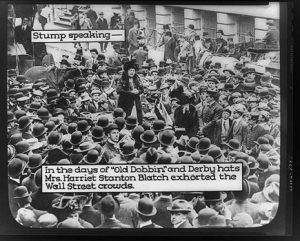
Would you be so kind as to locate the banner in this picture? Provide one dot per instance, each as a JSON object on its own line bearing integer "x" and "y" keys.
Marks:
{"x": 71, "y": 36}
{"x": 142, "y": 178}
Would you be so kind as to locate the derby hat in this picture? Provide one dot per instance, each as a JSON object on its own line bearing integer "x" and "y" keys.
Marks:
{"x": 85, "y": 146}
{"x": 83, "y": 126}
{"x": 72, "y": 127}
{"x": 234, "y": 144}
{"x": 50, "y": 126}
{"x": 128, "y": 149}
{"x": 242, "y": 155}
{"x": 103, "y": 122}
{"x": 158, "y": 125}
{"x": 215, "y": 152}
{"x": 213, "y": 196}
{"x": 118, "y": 112}
{"x": 108, "y": 205}
{"x": 85, "y": 97}
{"x": 92, "y": 157}
{"x": 205, "y": 159}
{"x": 54, "y": 138}
{"x": 81, "y": 89}
{"x": 23, "y": 157}
{"x": 180, "y": 205}
{"x": 75, "y": 158}
{"x": 120, "y": 122}
{"x": 151, "y": 155}
{"x": 204, "y": 215}
{"x": 252, "y": 163}
{"x": 58, "y": 111}
{"x": 192, "y": 144}
{"x": 24, "y": 122}
{"x": 98, "y": 133}
{"x": 15, "y": 138}
{"x": 131, "y": 121}
{"x": 20, "y": 192}
{"x": 35, "y": 161}
{"x": 66, "y": 145}
{"x": 137, "y": 132}
{"x": 148, "y": 137}
{"x": 43, "y": 113}
{"x": 146, "y": 207}
{"x": 48, "y": 220}
{"x": 245, "y": 167}
{"x": 16, "y": 167}
{"x": 204, "y": 144}
{"x": 34, "y": 106}
{"x": 11, "y": 151}
{"x": 166, "y": 138}
{"x": 63, "y": 162}
{"x": 22, "y": 147}
{"x": 165, "y": 158}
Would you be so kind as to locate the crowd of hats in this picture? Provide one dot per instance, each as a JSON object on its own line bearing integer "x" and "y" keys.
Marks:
{"x": 39, "y": 133}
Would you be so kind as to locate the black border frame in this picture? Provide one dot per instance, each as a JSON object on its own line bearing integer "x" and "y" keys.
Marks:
{"x": 283, "y": 222}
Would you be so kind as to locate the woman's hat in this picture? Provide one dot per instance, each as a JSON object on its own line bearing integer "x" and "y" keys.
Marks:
{"x": 146, "y": 207}
{"x": 166, "y": 138}
{"x": 130, "y": 65}
{"x": 180, "y": 205}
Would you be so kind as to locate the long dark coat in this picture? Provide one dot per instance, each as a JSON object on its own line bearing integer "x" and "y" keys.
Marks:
{"x": 127, "y": 99}
{"x": 188, "y": 120}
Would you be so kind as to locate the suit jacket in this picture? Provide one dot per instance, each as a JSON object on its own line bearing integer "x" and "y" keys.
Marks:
{"x": 91, "y": 215}
{"x": 102, "y": 24}
{"x": 127, "y": 213}
{"x": 253, "y": 134}
{"x": 29, "y": 183}
{"x": 132, "y": 40}
{"x": 218, "y": 132}
{"x": 87, "y": 108}
{"x": 24, "y": 37}
{"x": 163, "y": 216}
{"x": 210, "y": 114}
{"x": 112, "y": 223}
{"x": 238, "y": 131}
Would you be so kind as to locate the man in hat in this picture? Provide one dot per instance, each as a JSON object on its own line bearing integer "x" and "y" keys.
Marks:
{"x": 272, "y": 36}
{"x": 109, "y": 207}
{"x": 222, "y": 127}
{"x": 179, "y": 213}
{"x": 102, "y": 25}
{"x": 254, "y": 131}
{"x": 220, "y": 36}
{"x": 212, "y": 111}
{"x": 146, "y": 211}
{"x": 93, "y": 60}
{"x": 167, "y": 139}
{"x": 85, "y": 104}
{"x": 186, "y": 116}
{"x": 132, "y": 37}
{"x": 186, "y": 54}
{"x": 89, "y": 213}
{"x": 274, "y": 124}
{"x": 221, "y": 47}
{"x": 23, "y": 35}
{"x": 238, "y": 129}
{"x": 23, "y": 199}
{"x": 191, "y": 33}
{"x": 127, "y": 154}
{"x": 111, "y": 148}
{"x": 169, "y": 42}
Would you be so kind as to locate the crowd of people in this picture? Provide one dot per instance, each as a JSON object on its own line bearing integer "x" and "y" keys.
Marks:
{"x": 125, "y": 109}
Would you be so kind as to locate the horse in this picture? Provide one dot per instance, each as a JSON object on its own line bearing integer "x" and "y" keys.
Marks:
{"x": 55, "y": 76}
{"x": 225, "y": 61}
